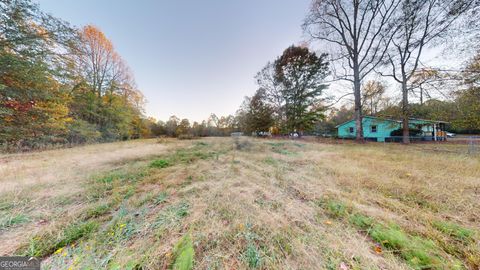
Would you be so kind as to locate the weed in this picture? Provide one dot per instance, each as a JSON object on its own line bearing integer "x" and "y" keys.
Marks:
{"x": 122, "y": 229}
{"x": 252, "y": 256}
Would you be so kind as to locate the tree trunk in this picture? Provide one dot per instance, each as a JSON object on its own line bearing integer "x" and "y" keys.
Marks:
{"x": 358, "y": 104}
{"x": 421, "y": 95}
{"x": 405, "y": 112}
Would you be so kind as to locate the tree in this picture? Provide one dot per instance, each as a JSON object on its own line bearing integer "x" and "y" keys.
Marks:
{"x": 420, "y": 22}
{"x": 33, "y": 103}
{"x": 183, "y": 127}
{"x": 104, "y": 91}
{"x": 259, "y": 114}
{"x": 422, "y": 80}
{"x": 96, "y": 60}
{"x": 266, "y": 80}
{"x": 301, "y": 74}
{"x": 468, "y": 100}
{"x": 171, "y": 125}
{"x": 59, "y": 84}
{"x": 372, "y": 96}
{"x": 360, "y": 32}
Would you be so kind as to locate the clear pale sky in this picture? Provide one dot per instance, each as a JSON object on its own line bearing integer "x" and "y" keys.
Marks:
{"x": 191, "y": 58}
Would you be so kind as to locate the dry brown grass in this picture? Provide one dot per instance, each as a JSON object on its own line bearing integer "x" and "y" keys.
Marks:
{"x": 266, "y": 205}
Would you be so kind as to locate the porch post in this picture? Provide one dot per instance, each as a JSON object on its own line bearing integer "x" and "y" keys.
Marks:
{"x": 434, "y": 132}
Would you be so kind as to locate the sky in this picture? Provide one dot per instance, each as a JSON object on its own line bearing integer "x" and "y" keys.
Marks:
{"x": 191, "y": 58}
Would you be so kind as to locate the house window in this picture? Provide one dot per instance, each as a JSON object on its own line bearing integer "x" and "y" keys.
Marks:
{"x": 350, "y": 129}
{"x": 373, "y": 129}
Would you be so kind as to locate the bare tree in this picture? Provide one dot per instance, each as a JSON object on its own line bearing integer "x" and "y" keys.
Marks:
{"x": 273, "y": 91}
{"x": 420, "y": 22}
{"x": 372, "y": 96}
{"x": 360, "y": 32}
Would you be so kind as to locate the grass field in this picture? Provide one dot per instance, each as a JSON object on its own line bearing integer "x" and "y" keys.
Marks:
{"x": 218, "y": 203}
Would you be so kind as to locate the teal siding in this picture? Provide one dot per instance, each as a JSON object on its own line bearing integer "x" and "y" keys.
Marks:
{"x": 383, "y": 128}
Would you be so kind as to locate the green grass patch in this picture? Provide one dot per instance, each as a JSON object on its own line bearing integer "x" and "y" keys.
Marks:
{"x": 161, "y": 198}
{"x": 276, "y": 144}
{"x": 183, "y": 254}
{"x": 118, "y": 183}
{"x": 334, "y": 208}
{"x": 13, "y": 220}
{"x": 97, "y": 211}
{"x": 200, "y": 144}
{"x": 190, "y": 156}
{"x": 283, "y": 151}
{"x": 270, "y": 161}
{"x": 252, "y": 256}
{"x": 361, "y": 221}
{"x": 172, "y": 215}
{"x": 185, "y": 156}
{"x": 46, "y": 244}
{"x": 281, "y": 148}
{"x": 418, "y": 252}
{"x": 160, "y": 163}
{"x": 454, "y": 230}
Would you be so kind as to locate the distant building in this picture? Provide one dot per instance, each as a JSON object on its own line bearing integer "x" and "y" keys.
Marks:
{"x": 380, "y": 129}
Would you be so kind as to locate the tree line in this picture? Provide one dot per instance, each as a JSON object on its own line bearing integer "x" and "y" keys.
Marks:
{"x": 62, "y": 84}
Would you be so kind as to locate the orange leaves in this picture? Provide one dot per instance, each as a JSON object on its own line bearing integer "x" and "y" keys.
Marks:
{"x": 96, "y": 38}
